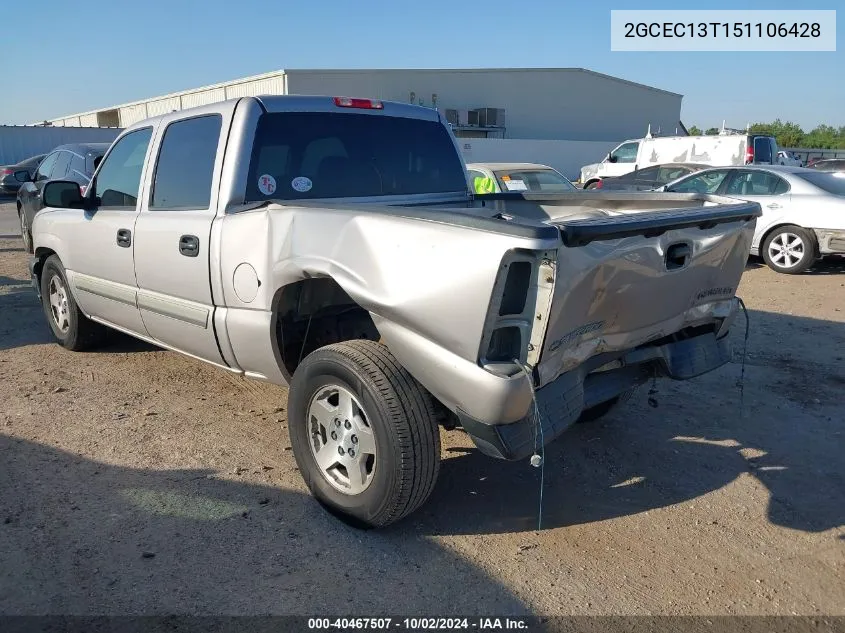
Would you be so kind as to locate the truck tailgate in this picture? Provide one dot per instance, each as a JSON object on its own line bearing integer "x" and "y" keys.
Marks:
{"x": 624, "y": 280}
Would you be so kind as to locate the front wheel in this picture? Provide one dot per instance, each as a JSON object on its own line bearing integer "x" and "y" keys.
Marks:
{"x": 26, "y": 233}
{"x": 72, "y": 329}
{"x": 364, "y": 433}
{"x": 789, "y": 249}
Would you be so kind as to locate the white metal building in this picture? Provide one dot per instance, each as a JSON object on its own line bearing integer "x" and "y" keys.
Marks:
{"x": 541, "y": 104}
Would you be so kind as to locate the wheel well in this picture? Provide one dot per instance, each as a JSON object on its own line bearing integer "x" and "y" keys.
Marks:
{"x": 316, "y": 312}
{"x": 590, "y": 182}
{"x": 41, "y": 255}
{"x": 312, "y": 313}
{"x": 771, "y": 230}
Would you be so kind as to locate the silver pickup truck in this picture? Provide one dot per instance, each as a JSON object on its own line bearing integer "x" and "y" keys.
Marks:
{"x": 333, "y": 245}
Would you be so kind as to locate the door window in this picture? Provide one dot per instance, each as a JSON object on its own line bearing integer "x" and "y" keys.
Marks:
{"x": 185, "y": 165}
{"x": 60, "y": 166}
{"x": 119, "y": 179}
{"x": 626, "y": 153}
{"x": 756, "y": 183}
{"x": 707, "y": 182}
{"x": 649, "y": 173}
{"x": 668, "y": 174}
{"x": 46, "y": 167}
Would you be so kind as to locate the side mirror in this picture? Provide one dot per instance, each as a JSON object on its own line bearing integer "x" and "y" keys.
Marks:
{"x": 22, "y": 176}
{"x": 63, "y": 194}
{"x": 611, "y": 158}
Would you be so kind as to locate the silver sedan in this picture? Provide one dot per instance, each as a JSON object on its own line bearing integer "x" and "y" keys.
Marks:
{"x": 803, "y": 210}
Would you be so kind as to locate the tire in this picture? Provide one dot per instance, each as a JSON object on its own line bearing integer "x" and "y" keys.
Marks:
{"x": 789, "y": 249}
{"x": 395, "y": 417}
{"x": 603, "y": 408}
{"x": 72, "y": 329}
{"x": 26, "y": 232}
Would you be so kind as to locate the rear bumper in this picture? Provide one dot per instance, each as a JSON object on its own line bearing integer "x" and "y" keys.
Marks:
{"x": 561, "y": 402}
{"x": 831, "y": 241}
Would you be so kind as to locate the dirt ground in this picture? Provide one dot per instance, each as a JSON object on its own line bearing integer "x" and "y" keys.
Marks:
{"x": 134, "y": 480}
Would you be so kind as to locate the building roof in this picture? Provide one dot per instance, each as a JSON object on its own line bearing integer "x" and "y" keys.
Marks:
{"x": 303, "y": 71}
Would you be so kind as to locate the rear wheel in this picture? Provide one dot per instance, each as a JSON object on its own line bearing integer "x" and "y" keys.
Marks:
{"x": 364, "y": 433}
{"x": 789, "y": 249}
{"x": 72, "y": 329}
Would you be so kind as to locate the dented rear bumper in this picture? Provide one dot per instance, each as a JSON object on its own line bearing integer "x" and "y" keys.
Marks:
{"x": 597, "y": 380}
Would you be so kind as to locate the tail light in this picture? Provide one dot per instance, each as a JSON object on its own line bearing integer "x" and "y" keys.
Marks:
{"x": 5, "y": 172}
{"x": 749, "y": 155}
{"x": 366, "y": 104}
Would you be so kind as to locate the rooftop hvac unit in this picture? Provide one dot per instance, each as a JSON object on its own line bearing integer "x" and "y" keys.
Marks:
{"x": 456, "y": 117}
{"x": 490, "y": 117}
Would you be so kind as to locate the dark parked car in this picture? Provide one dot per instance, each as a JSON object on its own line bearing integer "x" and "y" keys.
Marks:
{"x": 8, "y": 183}
{"x": 75, "y": 162}
{"x": 836, "y": 165}
{"x": 648, "y": 178}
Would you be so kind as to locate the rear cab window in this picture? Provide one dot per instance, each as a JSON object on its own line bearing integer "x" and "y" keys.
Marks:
{"x": 309, "y": 155}
{"x": 533, "y": 180}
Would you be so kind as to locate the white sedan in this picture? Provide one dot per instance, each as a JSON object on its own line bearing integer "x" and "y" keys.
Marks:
{"x": 803, "y": 210}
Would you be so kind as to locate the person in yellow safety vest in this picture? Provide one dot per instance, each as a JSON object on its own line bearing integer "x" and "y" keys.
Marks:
{"x": 484, "y": 185}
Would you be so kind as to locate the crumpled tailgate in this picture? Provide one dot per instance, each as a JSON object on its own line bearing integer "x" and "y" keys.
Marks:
{"x": 624, "y": 280}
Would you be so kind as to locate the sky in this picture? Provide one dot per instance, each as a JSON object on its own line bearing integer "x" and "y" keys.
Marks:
{"x": 91, "y": 54}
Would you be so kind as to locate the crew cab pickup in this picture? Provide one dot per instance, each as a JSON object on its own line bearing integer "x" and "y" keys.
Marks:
{"x": 332, "y": 245}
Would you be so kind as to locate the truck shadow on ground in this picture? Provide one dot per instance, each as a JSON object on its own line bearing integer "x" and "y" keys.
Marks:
{"x": 78, "y": 536}
{"x": 637, "y": 458}
{"x": 22, "y": 322}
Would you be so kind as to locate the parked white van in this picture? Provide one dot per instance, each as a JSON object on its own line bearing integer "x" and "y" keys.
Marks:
{"x": 721, "y": 150}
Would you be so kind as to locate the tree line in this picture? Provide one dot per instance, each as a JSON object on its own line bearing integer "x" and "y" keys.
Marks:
{"x": 790, "y": 134}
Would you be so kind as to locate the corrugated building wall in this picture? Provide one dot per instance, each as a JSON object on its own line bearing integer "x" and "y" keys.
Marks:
{"x": 540, "y": 104}
{"x": 20, "y": 142}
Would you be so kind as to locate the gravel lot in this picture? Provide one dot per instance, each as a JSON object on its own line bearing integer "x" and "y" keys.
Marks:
{"x": 134, "y": 480}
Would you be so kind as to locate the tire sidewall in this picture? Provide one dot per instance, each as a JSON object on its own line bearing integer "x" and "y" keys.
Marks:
{"x": 26, "y": 233}
{"x": 330, "y": 368}
{"x": 53, "y": 267}
{"x": 809, "y": 250}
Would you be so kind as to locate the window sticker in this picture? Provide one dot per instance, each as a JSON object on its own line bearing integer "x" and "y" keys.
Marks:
{"x": 301, "y": 184}
{"x": 516, "y": 185}
{"x": 267, "y": 184}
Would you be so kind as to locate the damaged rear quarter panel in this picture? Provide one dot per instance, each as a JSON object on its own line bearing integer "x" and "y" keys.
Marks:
{"x": 418, "y": 278}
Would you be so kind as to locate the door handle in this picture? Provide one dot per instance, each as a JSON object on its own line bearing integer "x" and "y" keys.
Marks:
{"x": 774, "y": 205}
{"x": 124, "y": 238}
{"x": 189, "y": 245}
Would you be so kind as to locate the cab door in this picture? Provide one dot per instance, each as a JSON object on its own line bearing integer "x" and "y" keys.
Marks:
{"x": 621, "y": 160}
{"x": 100, "y": 243}
{"x": 172, "y": 236}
